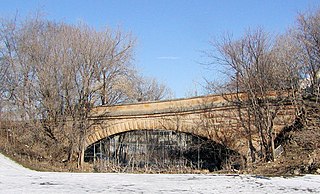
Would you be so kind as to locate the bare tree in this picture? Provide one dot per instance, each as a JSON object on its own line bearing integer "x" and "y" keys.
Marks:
{"x": 51, "y": 75}
{"x": 260, "y": 85}
{"x": 308, "y": 36}
{"x": 148, "y": 89}
{"x": 115, "y": 67}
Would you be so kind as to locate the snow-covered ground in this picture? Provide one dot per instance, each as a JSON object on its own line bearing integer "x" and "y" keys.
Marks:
{"x": 17, "y": 179}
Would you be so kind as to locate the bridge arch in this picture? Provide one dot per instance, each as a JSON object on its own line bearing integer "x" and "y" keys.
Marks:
{"x": 105, "y": 129}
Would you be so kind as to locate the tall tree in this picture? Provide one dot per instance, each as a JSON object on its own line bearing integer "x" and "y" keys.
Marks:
{"x": 260, "y": 84}
{"x": 308, "y": 36}
{"x": 51, "y": 75}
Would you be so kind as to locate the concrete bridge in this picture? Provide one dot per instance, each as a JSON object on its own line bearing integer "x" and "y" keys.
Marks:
{"x": 212, "y": 117}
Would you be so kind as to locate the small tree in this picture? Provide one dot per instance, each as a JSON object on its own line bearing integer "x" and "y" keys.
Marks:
{"x": 148, "y": 89}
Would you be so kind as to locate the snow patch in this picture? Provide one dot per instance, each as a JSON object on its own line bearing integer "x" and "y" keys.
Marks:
{"x": 16, "y": 179}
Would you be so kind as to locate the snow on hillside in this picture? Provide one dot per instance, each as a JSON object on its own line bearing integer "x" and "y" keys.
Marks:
{"x": 17, "y": 179}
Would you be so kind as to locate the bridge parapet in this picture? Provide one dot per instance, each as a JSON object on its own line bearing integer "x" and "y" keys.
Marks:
{"x": 161, "y": 107}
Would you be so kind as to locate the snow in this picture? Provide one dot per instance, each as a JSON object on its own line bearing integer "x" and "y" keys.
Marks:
{"x": 17, "y": 179}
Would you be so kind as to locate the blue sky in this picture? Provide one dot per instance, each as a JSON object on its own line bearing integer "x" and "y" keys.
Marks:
{"x": 171, "y": 33}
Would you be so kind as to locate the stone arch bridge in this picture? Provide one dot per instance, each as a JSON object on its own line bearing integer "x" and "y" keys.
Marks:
{"x": 212, "y": 117}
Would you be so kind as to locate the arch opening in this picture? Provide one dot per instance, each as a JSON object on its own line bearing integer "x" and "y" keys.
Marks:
{"x": 160, "y": 151}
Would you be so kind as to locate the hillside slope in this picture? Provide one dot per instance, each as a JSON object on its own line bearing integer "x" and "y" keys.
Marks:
{"x": 301, "y": 146}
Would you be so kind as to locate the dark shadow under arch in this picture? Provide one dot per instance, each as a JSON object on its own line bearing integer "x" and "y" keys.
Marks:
{"x": 161, "y": 149}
